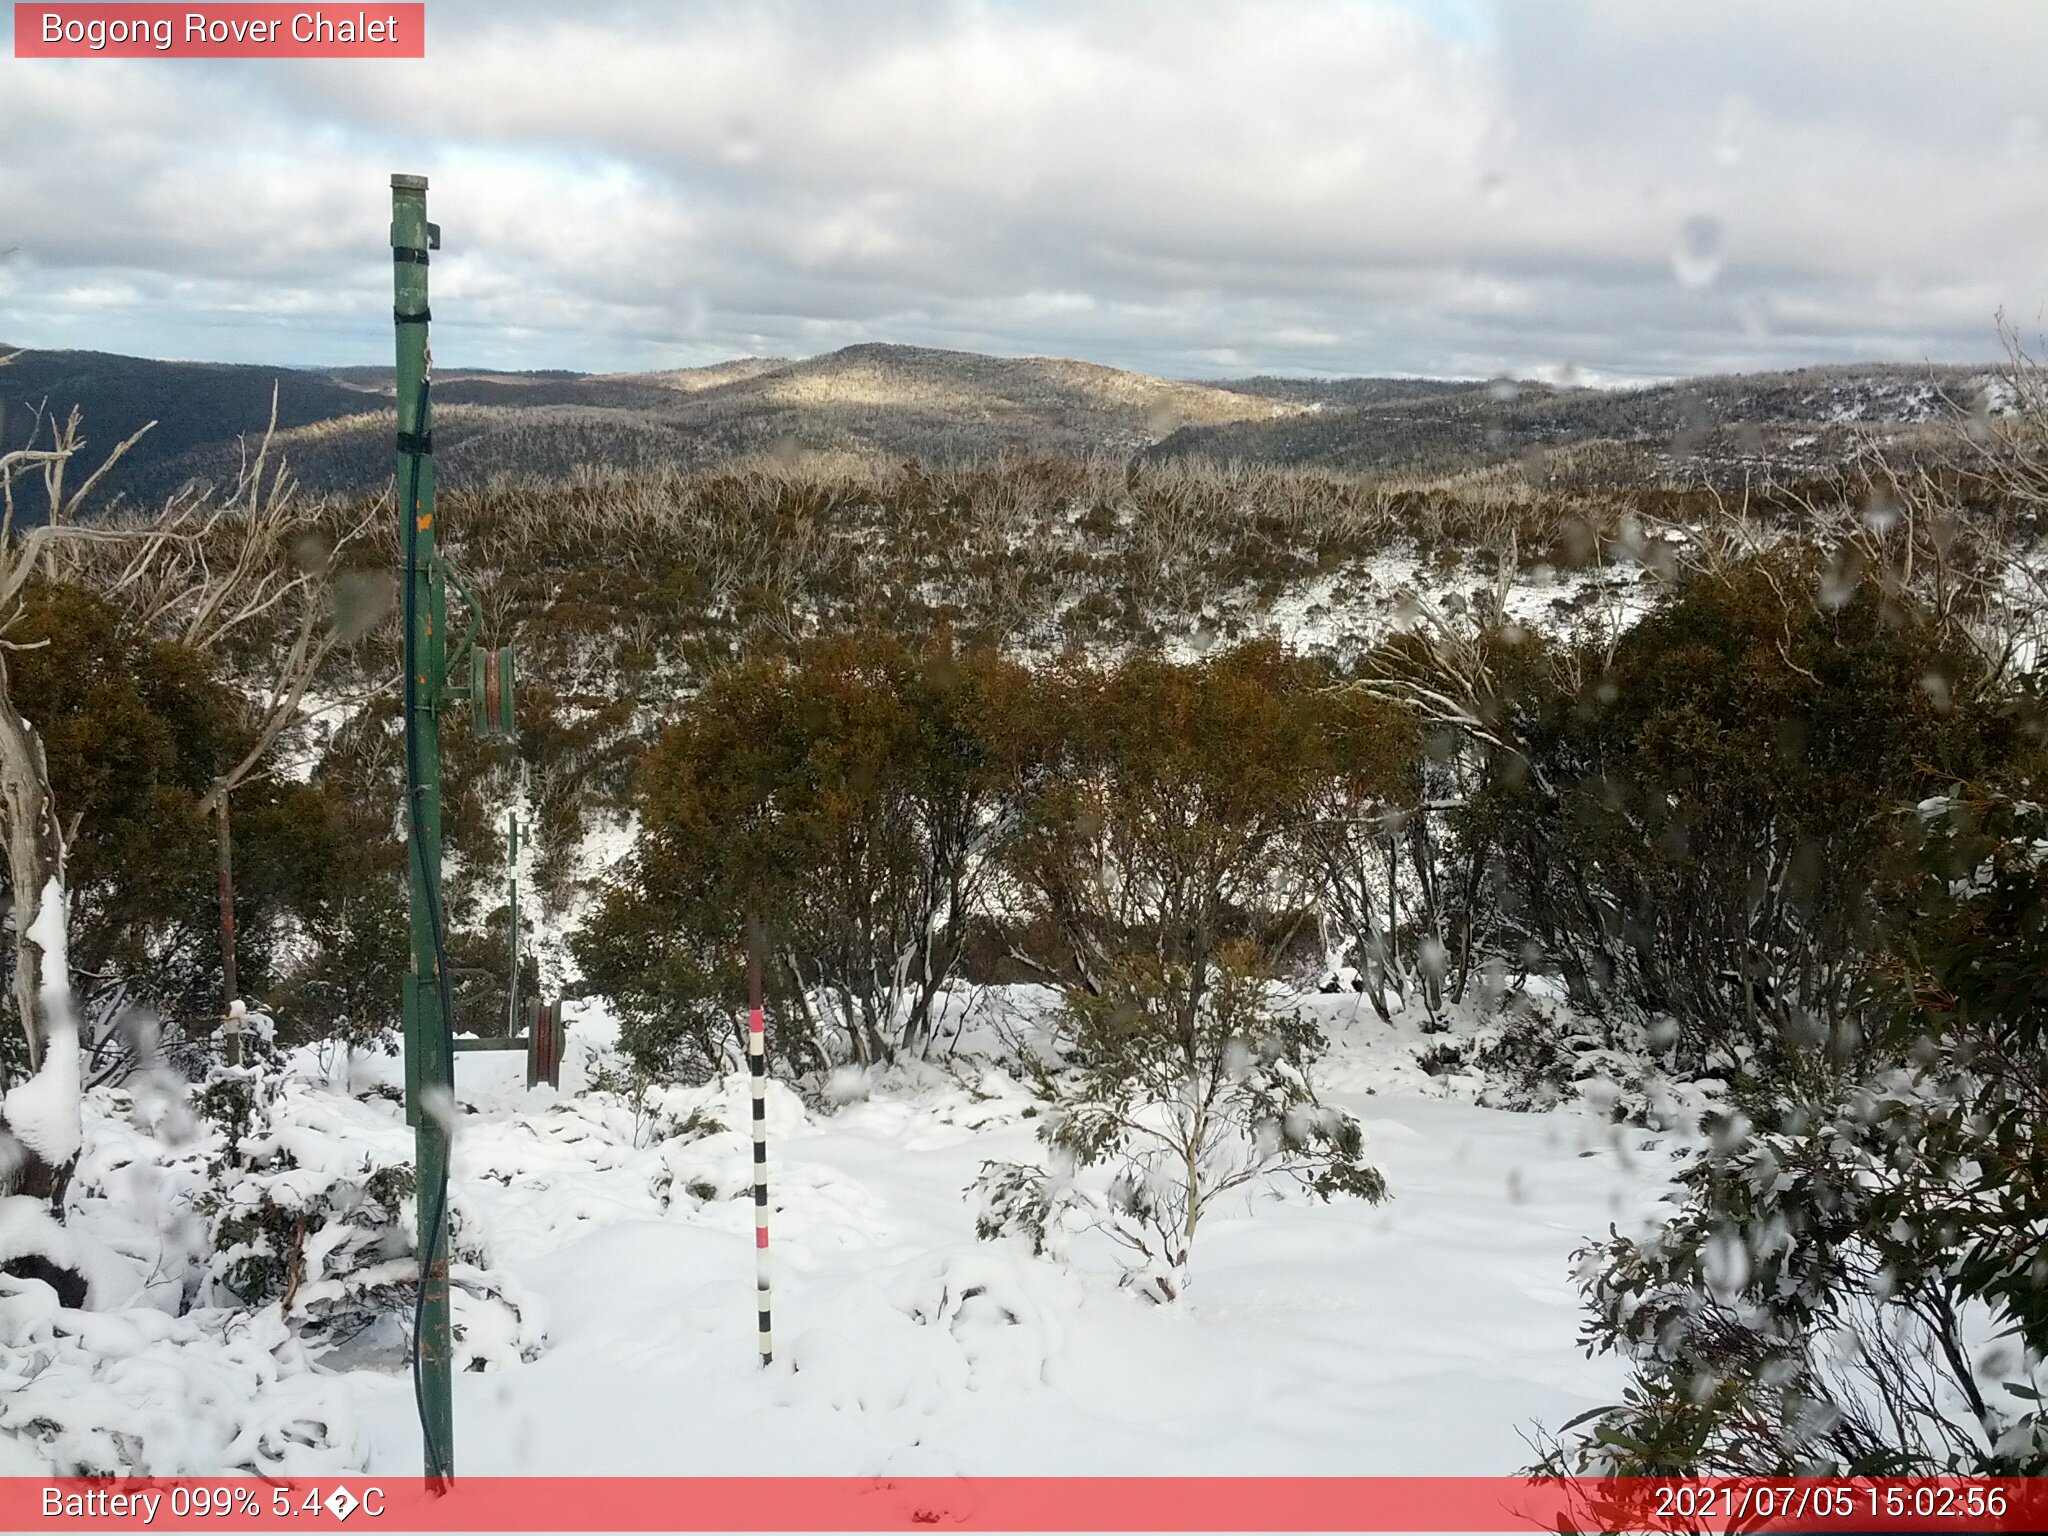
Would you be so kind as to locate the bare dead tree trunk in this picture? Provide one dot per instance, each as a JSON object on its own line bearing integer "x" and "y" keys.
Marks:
{"x": 37, "y": 1164}
{"x": 224, "y": 841}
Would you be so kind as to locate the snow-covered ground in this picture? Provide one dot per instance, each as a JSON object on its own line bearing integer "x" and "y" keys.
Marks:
{"x": 1343, "y": 613}
{"x": 1431, "y": 1334}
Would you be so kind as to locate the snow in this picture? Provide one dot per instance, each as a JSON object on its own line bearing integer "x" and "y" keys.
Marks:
{"x": 1432, "y": 1334}
{"x": 1343, "y": 612}
{"x": 42, "y": 1110}
{"x": 28, "y": 1230}
{"x": 145, "y": 1392}
{"x": 607, "y": 842}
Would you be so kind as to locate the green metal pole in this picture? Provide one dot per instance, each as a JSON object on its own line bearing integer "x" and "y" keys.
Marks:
{"x": 512, "y": 1007}
{"x": 429, "y": 1054}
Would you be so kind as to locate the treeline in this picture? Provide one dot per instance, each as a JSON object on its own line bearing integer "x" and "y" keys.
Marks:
{"x": 644, "y": 580}
{"x": 1698, "y": 822}
{"x": 627, "y": 590}
{"x": 1784, "y": 832}
{"x": 136, "y": 731}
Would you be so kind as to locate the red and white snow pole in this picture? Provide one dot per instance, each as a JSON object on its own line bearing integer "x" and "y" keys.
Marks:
{"x": 757, "y": 1064}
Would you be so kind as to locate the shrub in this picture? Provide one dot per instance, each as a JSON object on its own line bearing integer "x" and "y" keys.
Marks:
{"x": 1170, "y": 823}
{"x": 852, "y": 799}
{"x": 1819, "y": 1302}
{"x": 333, "y": 1247}
{"x": 135, "y": 731}
{"x": 1181, "y": 1105}
{"x": 1701, "y": 826}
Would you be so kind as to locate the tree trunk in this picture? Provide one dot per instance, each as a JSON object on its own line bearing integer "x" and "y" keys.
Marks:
{"x": 224, "y": 839}
{"x": 41, "y": 1115}
{"x": 1191, "y": 1156}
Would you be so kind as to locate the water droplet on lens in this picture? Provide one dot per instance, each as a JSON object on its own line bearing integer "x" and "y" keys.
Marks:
{"x": 1697, "y": 258}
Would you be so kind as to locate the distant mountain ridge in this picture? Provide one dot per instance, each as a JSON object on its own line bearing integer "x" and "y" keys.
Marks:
{"x": 1788, "y": 420}
{"x": 335, "y": 424}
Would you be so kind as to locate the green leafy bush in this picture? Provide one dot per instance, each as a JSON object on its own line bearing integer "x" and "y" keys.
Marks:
{"x": 852, "y": 799}
{"x": 1854, "y": 1279}
{"x": 1701, "y": 826}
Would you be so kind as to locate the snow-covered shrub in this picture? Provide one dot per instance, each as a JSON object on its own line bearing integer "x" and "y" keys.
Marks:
{"x": 706, "y": 1147}
{"x": 140, "y": 1392}
{"x": 1856, "y": 1278}
{"x": 703, "y": 1162}
{"x": 1778, "y": 1325}
{"x": 1177, "y": 1118}
{"x": 1536, "y": 1053}
{"x": 113, "y": 1376}
{"x": 79, "y": 1272}
{"x": 245, "y": 1038}
{"x": 322, "y": 1223}
{"x": 1533, "y": 1057}
{"x": 659, "y": 1110}
{"x": 1443, "y": 1058}
{"x": 1005, "y": 1315}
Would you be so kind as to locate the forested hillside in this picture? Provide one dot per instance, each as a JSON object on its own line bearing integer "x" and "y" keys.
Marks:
{"x": 891, "y": 403}
{"x": 1161, "y": 866}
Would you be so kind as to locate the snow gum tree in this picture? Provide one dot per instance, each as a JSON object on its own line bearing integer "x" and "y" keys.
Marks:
{"x": 39, "y": 1118}
{"x": 1692, "y": 821}
{"x": 1171, "y": 820}
{"x": 172, "y": 585}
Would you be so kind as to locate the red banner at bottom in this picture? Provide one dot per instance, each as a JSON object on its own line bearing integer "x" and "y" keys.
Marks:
{"x": 1027, "y": 1504}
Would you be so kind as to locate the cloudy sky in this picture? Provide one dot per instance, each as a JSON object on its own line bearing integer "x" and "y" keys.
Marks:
{"x": 1448, "y": 187}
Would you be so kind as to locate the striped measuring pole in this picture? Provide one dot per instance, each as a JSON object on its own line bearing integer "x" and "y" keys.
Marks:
{"x": 757, "y": 1064}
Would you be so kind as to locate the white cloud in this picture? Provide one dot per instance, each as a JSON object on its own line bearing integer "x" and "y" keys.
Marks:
{"x": 1162, "y": 183}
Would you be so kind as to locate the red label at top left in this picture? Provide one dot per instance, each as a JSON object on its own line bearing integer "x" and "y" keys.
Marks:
{"x": 101, "y": 31}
